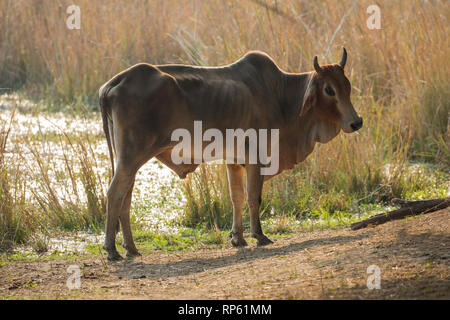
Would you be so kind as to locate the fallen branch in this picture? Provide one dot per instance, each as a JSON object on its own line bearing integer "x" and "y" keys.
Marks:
{"x": 408, "y": 208}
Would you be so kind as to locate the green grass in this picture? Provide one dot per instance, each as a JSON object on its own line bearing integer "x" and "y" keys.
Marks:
{"x": 185, "y": 240}
{"x": 337, "y": 199}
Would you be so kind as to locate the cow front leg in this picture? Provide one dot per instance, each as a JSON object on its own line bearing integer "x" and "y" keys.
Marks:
{"x": 254, "y": 190}
{"x": 237, "y": 193}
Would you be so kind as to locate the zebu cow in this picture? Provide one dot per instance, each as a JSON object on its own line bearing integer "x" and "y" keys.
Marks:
{"x": 143, "y": 105}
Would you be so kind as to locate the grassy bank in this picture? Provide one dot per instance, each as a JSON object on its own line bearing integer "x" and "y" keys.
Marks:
{"x": 400, "y": 86}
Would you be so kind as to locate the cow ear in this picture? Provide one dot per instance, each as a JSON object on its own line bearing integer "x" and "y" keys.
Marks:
{"x": 310, "y": 97}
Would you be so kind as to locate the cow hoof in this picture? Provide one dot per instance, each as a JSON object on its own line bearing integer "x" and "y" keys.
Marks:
{"x": 114, "y": 256}
{"x": 133, "y": 253}
{"x": 238, "y": 242}
{"x": 264, "y": 241}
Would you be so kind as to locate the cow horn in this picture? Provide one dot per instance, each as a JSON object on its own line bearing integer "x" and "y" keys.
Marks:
{"x": 343, "y": 58}
{"x": 316, "y": 65}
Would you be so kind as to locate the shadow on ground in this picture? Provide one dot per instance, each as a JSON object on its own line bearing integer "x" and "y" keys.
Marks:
{"x": 135, "y": 270}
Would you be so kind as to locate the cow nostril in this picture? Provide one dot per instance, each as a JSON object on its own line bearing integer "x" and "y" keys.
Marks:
{"x": 357, "y": 125}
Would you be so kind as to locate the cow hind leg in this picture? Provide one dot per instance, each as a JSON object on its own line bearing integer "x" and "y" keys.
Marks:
{"x": 254, "y": 190}
{"x": 128, "y": 242}
{"x": 119, "y": 193}
{"x": 119, "y": 199}
{"x": 237, "y": 193}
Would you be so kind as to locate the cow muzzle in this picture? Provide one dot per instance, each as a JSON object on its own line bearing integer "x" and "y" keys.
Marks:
{"x": 357, "y": 124}
{"x": 353, "y": 126}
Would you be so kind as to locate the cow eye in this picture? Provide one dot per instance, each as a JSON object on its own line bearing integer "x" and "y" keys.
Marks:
{"x": 329, "y": 91}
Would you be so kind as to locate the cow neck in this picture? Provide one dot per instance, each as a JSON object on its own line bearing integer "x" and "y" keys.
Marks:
{"x": 291, "y": 93}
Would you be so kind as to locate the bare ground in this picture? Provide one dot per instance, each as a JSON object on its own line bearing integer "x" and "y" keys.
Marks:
{"x": 413, "y": 256}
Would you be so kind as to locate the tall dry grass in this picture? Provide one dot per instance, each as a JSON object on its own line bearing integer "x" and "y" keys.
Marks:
{"x": 400, "y": 76}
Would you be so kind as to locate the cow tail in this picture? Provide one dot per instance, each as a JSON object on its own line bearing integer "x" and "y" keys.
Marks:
{"x": 104, "y": 108}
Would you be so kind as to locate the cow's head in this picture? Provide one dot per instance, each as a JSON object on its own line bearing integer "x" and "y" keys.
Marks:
{"x": 328, "y": 93}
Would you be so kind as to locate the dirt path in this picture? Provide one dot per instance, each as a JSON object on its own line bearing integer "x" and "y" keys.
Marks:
{"x": 413, "y": 257}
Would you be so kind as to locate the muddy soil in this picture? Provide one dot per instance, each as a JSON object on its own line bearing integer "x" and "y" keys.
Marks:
{"x": 411, "y": 255}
